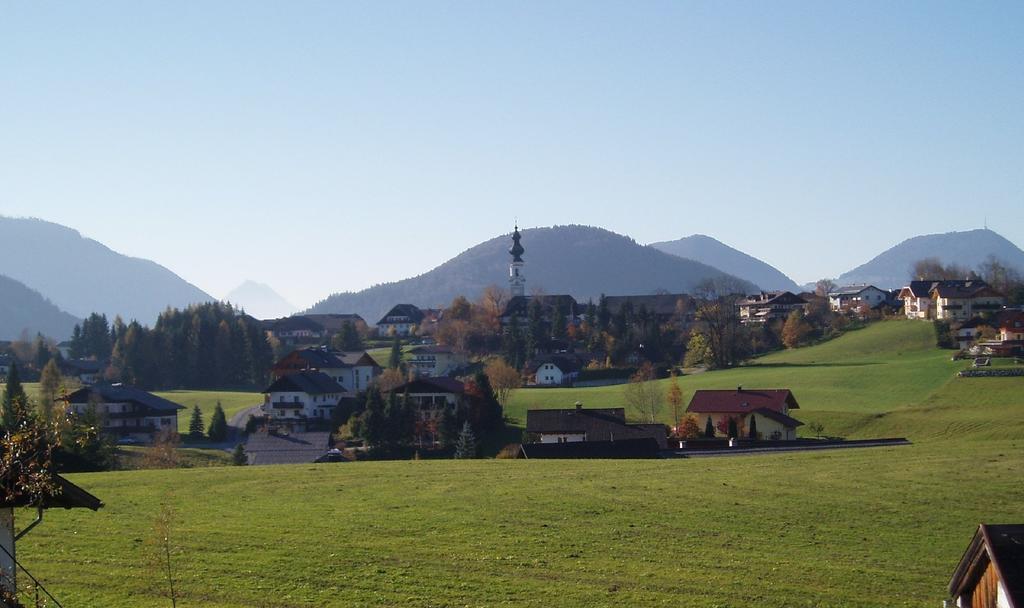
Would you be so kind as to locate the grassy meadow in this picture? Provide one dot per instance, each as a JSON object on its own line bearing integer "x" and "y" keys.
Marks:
{"x": 861, "y": 527}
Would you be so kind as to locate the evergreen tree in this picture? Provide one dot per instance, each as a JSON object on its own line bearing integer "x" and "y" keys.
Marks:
{"x": 238, "y": 457}
{"x": 218, "y": 430}
{"x": 732, "y": 428}
{"x": 395, "y": 360}
{"x": 709, "y": 429}
{"x": 753, "y": 426}
{"x": 49, "y": 383}
{"x": 42, "y": 350}
{"x": 448, "y": 429}
{"x": 374, "y": 421}
{"x": 195, "y": 425}
{"x": 14, "y": 401}
{"x": 466, "y": 445}
{"x": 488, "y": 413}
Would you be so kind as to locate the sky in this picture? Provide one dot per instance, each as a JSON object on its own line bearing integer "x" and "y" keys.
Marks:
{"x": 328, "y": 146}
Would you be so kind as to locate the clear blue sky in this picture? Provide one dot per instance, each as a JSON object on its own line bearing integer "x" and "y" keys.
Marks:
{"x": 328, "y": 146}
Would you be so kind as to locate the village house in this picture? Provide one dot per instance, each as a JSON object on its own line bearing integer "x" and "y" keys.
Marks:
{"x": 554, "y": 370}
{"x": 766, "y": 410}
{"x": 949, "y": 299}
{"x": 431, "y": 397}
{"x": 991, "y": 572}
{"x": 851, "y": 297}
{"x": 298, "y": 398}
{"x": 310, "y": 329}
{"x": 401, "y": 320}
{"x": 433, "y": 361}
{"x": 353, "y": 370}
{"x": 590, "y": 424}
{"x": 87, "y": 371}
{"x": 271, "y": 447}
{"x": 126, "y": 411}
{"x": 1011, "y": 326}
{"x": 769, "y": 306}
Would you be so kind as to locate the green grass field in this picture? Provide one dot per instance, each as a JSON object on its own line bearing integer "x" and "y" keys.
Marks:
{"x": 864, "y": 527}
{"x": 231, "y": 401}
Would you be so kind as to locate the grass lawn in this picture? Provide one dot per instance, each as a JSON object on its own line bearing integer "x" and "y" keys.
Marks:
{"x": 866, "y": 527}
{"x": 231, "y": 401}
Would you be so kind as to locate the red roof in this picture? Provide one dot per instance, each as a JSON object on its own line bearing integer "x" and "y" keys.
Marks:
{"x": 741, "y": 400}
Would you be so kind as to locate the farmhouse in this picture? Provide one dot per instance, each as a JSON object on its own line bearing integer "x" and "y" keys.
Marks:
{"x": 1011, "y": 326}
{"x": 765, "y": 412}
{"x": 554, "y": 370}
{"x": 433, "y": 361}
{"x": 432, "y": 398}
{"x": 126, "y": 411}
{"x": 401, "y": 320}
{"x": 949, "y": 299}
{"x": 578, "y": 424}
{"x": 991, "y": 572}
{"x": 852, "y": 296}
{"x": 297, "y": 398}
{"x": 353, "y": 370}
{"x": 769, "y": 306}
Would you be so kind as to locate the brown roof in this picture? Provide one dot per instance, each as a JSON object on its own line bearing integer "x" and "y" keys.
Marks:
{"x": 69, "y": 496}
{"x": 772, "y": 297}
{"x": 604, "y": 424}
{"x": 1002, "y": 545}
{"x": 741, "y": 400}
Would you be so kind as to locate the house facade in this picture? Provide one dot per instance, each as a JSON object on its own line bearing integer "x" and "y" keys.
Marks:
{"x": 434, "y": 361}
{"x": 401, "y": 320}
{"x": 1011, "y": 326}
{"x": 432, "y": 398}
{"x": 353, "y": 370}
{"x": 769, "y": 306}
{"x": 126, "y": 411}
{"x": 555, "y": 370}
{"x": 852, "y": 296}
{"x": 766, "y": 410}
{"x": 310, "y": 329}
{"x": 949, "y": 299}
{"x": 581, "y": 424}
{"x": 991, "y": 572}
{"x": 301, "y": 397}
{"x": 87, "y": 371}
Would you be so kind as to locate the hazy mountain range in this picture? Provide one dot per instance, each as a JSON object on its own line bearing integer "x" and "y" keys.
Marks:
{"x": 260, "y": 300}
{"x": 578, "y": 260}
{"x": 82, "y": 276}
{"x": 55, "y": 276}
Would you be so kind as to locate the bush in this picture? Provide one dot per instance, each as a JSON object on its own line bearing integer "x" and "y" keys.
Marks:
{"x": 509, "y": 452}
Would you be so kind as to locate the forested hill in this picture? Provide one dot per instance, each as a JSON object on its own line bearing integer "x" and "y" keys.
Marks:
{"x": 579, "y": 260}
{"x": 715, "y": 253}
{"x": 894, "y": 267}
{"x": 24, "y": 310}
{"x": 83, "y": 276}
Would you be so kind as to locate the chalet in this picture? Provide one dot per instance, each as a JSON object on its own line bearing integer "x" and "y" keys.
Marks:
{"x": 991, "y": 572}
{"x": 432, "y": 398}
{"x": 769, "y": 306}
{"x": 126, "y": 411}
{"x": 766, "y": 410}
{"x": 1011, "y": 326}
{"x": 949, "y": 299}
{"x": 87, "y": 371}
{"x": 555, "y": 370}
{"x": 433, "y": 361}
{"x": 584, "y": 425}
{"x": 269, "y": 447}
{"x": 352, "y": 370}
{"x": 401, "y": 320}
{"x": 300, "y": 397}
{"x": 851, "y": 297}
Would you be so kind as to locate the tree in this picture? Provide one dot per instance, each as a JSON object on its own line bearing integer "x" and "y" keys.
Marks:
{"x": 709, "y": 428}
{"x": 15, "y": 402}
{"x": 733, "y": 432}
{"x": 796, "y": 329}
{"x": 390, "y": 379}
{"x": 504, "y": 379}
{"x": 347, "y": 338}
{"x": 195, "y": 424}
{"x": 395, "y": 359}
{"x": 642, "y": 394}
{"x": 688, "y": 428}
{"x": 753, "y": 426}
{"x": 466, "y": 445}
{"x": 161, "y": 549}
{"x": 163, "y": 453}
{"x": 720, "y": 326}
{"x": 675, "y": 396}
{"x": 239, "y": 457}
{"x": 824, "y": 287}
{"x": 817, "y": 428}
{"x": 49, "y": 384}
{"x": 373, "y": 421}
{"x": 698, "y": 352}
{"x": 218, "y": 430}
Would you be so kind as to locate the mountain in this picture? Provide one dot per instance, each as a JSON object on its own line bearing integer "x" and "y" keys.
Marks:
{"x": 578, "y": 260}
{"x": 260, "y": 301}
{"x": 707, "y": 250}
{"x": 24, "y": 309}
{"x": 82, "y": 276}
{"x": 894, "y": 267}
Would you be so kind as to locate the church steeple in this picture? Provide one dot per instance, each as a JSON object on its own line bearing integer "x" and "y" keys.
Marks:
{"x": 516, "y": 278}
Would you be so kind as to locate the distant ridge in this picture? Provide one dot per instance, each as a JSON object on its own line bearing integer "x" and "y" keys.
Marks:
{"x": 81, "y": 275}
{"x": 893, "y": 268}
{"x": 713, "y": 252}
{"x": 25, "y": 310}
{"x": 260, "y": 301}
{"x": 582, "y": 261}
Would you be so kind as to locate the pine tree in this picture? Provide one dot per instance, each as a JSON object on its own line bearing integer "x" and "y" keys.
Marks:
{"x": 466, "y": 446}
{"x": 395, "y": 360}
{"x": 753, "y": 426}
{"x": 195, "y": 425}
{"x": 709, "y": 429}
{"x": 238, "y": 457}
{"x": 374, "y": 420}
{"x": 49, "y": 383}
{"x": 732, "y": 428}
{"x": 218, "y": 430}
{"x": 14, "y": 400}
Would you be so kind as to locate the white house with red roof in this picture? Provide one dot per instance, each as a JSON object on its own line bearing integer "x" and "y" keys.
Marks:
{"x": 766, "y": 410}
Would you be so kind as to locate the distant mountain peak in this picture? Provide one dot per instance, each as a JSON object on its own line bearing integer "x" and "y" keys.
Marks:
{"x": 23, "y": 309}
{"x": 711, "y": 251}
{"x": 260, "y": 300}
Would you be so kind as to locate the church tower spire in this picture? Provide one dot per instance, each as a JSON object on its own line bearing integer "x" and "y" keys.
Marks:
{"x": 516, "y": 278}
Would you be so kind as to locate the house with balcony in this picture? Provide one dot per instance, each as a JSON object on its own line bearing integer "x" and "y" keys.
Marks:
{"x": 401, "y": 320}
{"x": 765, "y": 411}
{"x": 1011, "y": 326}
{"x": 433, "y": 361}
{"x": 851, "y": 297}
{"x": 126, "y": 411}
{"x": 353, "y": 370}
{"x": 432, "y": 398}
{"x": 295, "y": 399}
{"x": 954, "y": 300}
{"x": 769, "y": 306}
